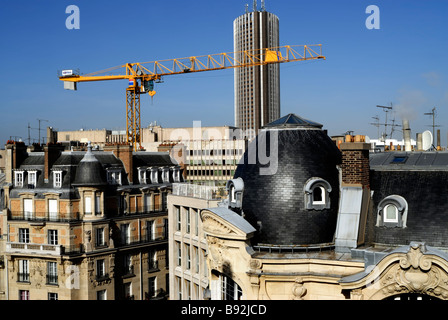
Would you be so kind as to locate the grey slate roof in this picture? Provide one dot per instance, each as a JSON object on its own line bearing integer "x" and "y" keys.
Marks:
{"x": 292, "y": 120}
{"x": 233, "y": 218}
{"x": 424, "y": 160}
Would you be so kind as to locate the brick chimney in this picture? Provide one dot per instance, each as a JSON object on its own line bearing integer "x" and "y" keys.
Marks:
{"x": 15, "y": 154}
{"x": 355, "y": 161}
{"x": 124, "y": 153}
{"x": 51, "y": 154}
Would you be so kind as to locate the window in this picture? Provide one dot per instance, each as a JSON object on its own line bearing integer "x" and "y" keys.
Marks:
{"x": 57, "y": 179}
{"x": 24, "y": 235}
{"x": 53, "y": 237}
{"x": 52, "y": 273}
{"x": 188, "y": 219}
{"x": 32, "y": 179}
{"x": 152, "y": 287}
{"x": 179, "y": 253}
{"x": 114, "y": 176}
{"x": 97, "y": 204}
{"x": 152, "y": 260}
{"x": 52, "y": 296}
{"x": 87, "y": 205}
{"x": 154, "y": 176}
{"x": 28, "y": 209}
{"x": 99, "y": 237}
{"x": 317, "y": 194}
{"x": 142, "y": 175}
{"x": 127, "y": 291}
{"x": 188, "y": 255}
{"x": 127, "y": 264}
{"x": 125, "y": 234}
{"x": 18, "y": 178}
{"x": 230, "y": 290}
{"x": 178, "y": 218}
{"x": 392, "y": 212}
{"x": 166, "y": 175}
{"x": 24, "y": 271}
{"x": 151, "y": 230}
{"x": 24, "y": 295}
{"x": 101, "y": 295}
{"x": 100, "y": 269}
{"x": 53, "y": 209}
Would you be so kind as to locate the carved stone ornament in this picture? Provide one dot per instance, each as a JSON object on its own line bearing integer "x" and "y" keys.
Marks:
{"x": 298, "y": 290}
{"x": 213, "y": 226}
{"x": 416, "y": 273}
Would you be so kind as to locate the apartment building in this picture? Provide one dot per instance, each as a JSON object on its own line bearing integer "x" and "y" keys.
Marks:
{"x": 84, "y": 225}
{"x": 187, "y": 244}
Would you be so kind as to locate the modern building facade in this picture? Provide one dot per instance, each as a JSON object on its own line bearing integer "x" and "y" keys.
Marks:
{"x": 84, "y": 225}
{"x": 187, "y": 243}
{"x": 257, "y": 89}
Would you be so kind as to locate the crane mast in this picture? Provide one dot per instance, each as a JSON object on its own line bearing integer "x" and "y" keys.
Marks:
{"x": 143, "y": 75}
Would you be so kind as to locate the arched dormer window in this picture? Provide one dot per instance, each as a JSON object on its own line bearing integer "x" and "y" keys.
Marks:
{"x": 235, "y": 188}
{"x": 392, "y": 212}
{"x": 317, "y": 194}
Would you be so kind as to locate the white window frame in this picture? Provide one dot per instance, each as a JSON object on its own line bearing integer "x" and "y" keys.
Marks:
{"x": 114, "y": 176}
{"x": 57, "y": 178}
{"x": 100, "y": 268}
{"x": 32, "y": 178}
{"x": 28, "y": 208}
{"x": 154, "y": 176}
{"x": 19, "y": 177}
{"x": 322, "y": 195}
{"x": 142, "y": 175}
{"x": 88, "y": 205}
{"x": 52, "y": 209}
{"x": 385, "y": 213}
{"x": 53, "y": 237}
{"x": 24, "y": 235}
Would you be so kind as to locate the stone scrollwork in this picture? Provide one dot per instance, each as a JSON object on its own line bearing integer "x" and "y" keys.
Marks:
{"x": 416, "y": 272}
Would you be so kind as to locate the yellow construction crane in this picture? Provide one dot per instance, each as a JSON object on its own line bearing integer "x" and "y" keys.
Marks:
{"x": 142, "y": 75}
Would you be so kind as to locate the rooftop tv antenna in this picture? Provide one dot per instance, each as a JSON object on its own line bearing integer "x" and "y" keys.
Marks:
{"x": 255, "y": 6}
{"x": 263, "y": 7}
{"x": 434, "y": 125}
{"x": 387, "y": 109}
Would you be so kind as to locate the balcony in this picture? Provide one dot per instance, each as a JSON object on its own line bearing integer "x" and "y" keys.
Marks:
{"x": 155, "y": 237}
{"x": 32, "y": 248}
{"x": 43, "y": 216}
{"x": 158, "y": 208}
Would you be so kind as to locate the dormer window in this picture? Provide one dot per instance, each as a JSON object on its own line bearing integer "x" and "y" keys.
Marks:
{"x": 166, "y": 175}
{"x": 235, "y": 189}
{"x": 114, "y": 176}
{"x": 32, "y": 179}
{"x": 18, "y": 178}
{"x": 154, "y": 176}
{"x": 317, "y": 194}
{"x": 57, "y": 179}
{"x": 142, "y": 175}
{"x": 392, "y": 212}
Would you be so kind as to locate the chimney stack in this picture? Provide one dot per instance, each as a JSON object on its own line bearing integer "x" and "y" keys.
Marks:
{"x": 124, "y": 153}
{"x": 407, "y": 135}
{"x": 355, "y": 162}
{"x": 51, "y": 154}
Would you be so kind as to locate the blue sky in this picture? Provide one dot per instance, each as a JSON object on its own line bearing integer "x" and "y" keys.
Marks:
{"x": 403, "y": 63}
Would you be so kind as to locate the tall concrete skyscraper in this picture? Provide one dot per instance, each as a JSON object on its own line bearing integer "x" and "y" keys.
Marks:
{"x": 257, "y": 89}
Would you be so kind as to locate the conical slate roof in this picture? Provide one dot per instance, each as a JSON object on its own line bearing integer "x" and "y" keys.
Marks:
{"x": 292, "y": 120}
{"x": 90, "y": 172}
{"x": 274, "y": 200}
